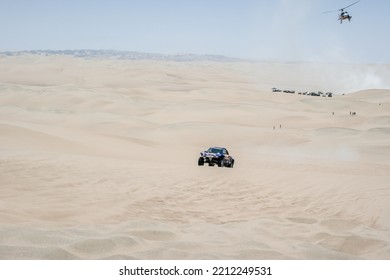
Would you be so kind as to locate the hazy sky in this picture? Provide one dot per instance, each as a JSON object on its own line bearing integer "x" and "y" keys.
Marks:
{"x": 259, "y": 29}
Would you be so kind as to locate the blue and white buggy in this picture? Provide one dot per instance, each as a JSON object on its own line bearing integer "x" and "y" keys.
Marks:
{"x": 216, "y": 155}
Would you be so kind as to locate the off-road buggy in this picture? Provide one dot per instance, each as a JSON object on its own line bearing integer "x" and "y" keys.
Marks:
{"x": 216, "y": 155}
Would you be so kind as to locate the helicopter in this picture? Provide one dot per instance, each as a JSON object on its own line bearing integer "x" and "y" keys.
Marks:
{"x": 343, "y": 14}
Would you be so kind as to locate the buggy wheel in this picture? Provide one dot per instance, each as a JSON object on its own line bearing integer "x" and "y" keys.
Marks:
{"x": 230, "y": 165}
{"x": 201, "y": 161}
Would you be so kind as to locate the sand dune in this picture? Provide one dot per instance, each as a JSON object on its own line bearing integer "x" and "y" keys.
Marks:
{"x": 98, "y": 160}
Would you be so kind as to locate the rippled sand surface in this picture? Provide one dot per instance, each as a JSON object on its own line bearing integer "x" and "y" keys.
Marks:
{"x": 98, "y": 160}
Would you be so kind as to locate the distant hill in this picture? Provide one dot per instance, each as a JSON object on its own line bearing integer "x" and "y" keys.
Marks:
{"x": 124, "y": 55}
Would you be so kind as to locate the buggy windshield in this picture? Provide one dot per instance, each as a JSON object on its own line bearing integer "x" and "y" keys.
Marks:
{"x": 215, "y": 150}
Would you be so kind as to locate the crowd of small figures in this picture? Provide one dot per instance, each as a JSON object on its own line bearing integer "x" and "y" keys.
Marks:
{"x": 319, "y": 93}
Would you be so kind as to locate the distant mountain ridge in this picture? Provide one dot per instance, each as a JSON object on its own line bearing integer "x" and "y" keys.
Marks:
{"x": 124, "y": 55}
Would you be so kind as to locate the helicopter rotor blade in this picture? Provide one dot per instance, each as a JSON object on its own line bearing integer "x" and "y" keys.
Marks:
{"x": 332, "y": 11}
{"x": 350, "y": 5}
{"x": 342, "y": 9}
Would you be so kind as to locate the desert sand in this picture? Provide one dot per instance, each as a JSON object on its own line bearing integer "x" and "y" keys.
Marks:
{"x": 98, "y": 160}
